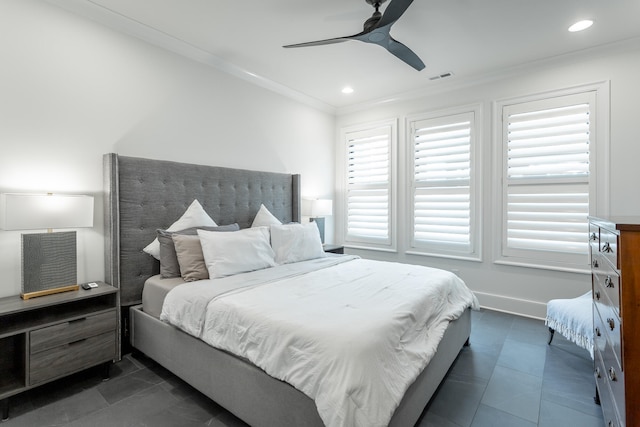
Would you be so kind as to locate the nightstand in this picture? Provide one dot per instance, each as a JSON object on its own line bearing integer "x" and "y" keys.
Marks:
{"x": 49, "y": 337}
{"x": 334, "y": 249}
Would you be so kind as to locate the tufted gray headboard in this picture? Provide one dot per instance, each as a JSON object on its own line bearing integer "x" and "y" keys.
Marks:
{"x": 142, "y": 195}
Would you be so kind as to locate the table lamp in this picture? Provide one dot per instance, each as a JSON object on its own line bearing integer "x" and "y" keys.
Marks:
{"x": 49, "y": 260}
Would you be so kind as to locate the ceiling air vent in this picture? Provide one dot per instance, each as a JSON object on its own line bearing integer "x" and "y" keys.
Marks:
{"x": 441, "y": 76}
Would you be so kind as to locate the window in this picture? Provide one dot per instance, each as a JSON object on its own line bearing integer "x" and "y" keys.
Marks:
{"x": 369, "y": 198}
{"x": 548, "y": 157}
{"x": 444, "y": 215}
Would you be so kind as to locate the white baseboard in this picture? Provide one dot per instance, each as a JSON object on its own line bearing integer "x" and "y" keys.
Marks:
{"x": 520, "y": 307}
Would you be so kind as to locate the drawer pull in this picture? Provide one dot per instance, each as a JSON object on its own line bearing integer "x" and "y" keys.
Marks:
{"x": 608, "y": 282}
{"x": 606, "y": 247}
{"x": 593, "y": 236}
{"x": 82, "y": 319}
{"x": 594, "y": 263}
{"x": 598, "y": 334}
{"x": 597, "y": 371}
{"x": 612, "y": 323}
{"x": 612, "y": 375}
{"x": 597, "y": 294}
{"x": 77, "y": 342}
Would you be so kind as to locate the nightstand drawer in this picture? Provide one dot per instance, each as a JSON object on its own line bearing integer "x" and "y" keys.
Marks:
{"x": 68, "y": 332}
{"x": 65, "y": 359}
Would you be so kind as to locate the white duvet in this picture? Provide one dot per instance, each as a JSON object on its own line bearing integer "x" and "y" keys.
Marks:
{"x": 351, "y": 334}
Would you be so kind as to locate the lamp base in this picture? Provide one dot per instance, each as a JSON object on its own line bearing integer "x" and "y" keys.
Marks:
{"x": 51, "y": 291}
{"x": 320, "y": 223}
{"x": 49, "y": 263}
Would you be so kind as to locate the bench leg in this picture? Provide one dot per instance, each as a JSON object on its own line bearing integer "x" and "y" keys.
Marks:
{"x": 551, "y": 332}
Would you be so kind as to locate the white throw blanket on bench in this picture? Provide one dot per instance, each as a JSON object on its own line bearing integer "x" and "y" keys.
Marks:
{"x": 573, "y": 318}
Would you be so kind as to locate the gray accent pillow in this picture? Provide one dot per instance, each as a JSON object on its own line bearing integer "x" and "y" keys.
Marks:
{"x": 169, "y": 265}
{"x": 190, "y": 257}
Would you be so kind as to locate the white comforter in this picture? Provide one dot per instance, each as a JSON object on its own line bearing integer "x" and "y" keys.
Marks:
{"x": 352, "y": 334}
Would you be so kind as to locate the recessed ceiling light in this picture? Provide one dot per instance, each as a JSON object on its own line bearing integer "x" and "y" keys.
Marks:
{"x": 581, "y": 25}
{"x": 347, "y": 90}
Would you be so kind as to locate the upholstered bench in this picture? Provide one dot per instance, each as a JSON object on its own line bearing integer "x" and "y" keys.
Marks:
{"x": 573, "y": 318}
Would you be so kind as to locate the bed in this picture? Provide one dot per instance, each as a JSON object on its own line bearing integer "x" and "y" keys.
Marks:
{"x": 143, "y": 195}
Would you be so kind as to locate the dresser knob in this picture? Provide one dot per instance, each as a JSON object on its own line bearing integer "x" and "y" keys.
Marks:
{"x": 597, "y": 370}
{"x": 611, "y": 323}
{"x": 598, "y": 334}
{"x": 594, "y": 263}
{"x": 606, "y": 247}
{"x": 593, "y": 236}
{"x": 597, "y": 294}
{"x": 612, "y": 375}
{"x": 608, "y": 282}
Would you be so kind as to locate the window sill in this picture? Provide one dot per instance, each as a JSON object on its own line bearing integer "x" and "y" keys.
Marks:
{"x": 448, "y": 256}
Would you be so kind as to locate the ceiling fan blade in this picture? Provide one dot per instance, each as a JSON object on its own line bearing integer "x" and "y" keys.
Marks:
{"x": 393, "y": 12}
{"x": 405, "y": 54}
{"x": 321, "y": 42}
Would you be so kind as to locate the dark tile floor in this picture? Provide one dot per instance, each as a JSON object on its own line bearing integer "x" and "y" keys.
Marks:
{"x": 507, "y": 377}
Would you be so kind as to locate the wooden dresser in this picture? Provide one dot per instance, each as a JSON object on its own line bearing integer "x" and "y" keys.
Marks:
{"x": 615, "y": 275}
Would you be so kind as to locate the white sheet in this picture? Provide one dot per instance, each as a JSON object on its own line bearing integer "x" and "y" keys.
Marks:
{"x": 351, "y": 334}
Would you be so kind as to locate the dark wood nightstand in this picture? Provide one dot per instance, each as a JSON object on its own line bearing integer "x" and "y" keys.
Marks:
{"x": 49, "y": 337}
{"x": 334, "y": 249}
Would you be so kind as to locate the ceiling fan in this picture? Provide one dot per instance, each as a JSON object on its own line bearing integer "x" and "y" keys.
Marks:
{"x": 376, "y": 31}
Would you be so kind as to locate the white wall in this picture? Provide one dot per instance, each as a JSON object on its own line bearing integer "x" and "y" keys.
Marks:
{"x": 72, "y": 90}
{"x": 518, "y": 289}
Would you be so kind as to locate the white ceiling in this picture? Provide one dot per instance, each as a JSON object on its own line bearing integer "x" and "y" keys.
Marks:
{"x": 469, "y": 38}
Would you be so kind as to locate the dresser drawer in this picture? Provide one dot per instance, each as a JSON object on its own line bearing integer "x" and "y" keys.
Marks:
{"x": 68, "y": 332}
{"x": 607, "y": 290}
{"x": 609, "y": 325}
{"x": 65, "y": 359}
{"x": 609, "y": 246}
{"x": 607, "y": 403}
{"x": 599, "y": 332}
{"x": 594, "y": 239}
{"x": 615, "y": 378}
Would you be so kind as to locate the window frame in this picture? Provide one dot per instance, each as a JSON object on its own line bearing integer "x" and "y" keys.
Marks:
{"x": 443, "y": 250}
{"x": 598, "y": 180}
{"x": 391, "y": 125}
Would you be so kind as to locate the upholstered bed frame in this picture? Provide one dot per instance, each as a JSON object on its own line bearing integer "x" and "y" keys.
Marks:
{"x": 142, "y": 195}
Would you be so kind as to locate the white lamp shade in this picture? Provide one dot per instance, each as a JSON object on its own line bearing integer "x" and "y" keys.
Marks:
{"x": 321, "y": 207}
{"x": 45, "y": 211}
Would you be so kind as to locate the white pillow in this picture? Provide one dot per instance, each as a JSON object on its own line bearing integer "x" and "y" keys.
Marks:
{"x": 264, "y": 218}
{"x": 194, "y": 216}
{"x": 296, "y": 242}
{"x": 236, "y": 251}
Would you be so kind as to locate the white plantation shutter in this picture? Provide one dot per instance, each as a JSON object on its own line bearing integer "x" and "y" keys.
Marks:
{"x": 368, "y": 197}
{"x": 547, "y": 164}
{"x": 442, "y": 184}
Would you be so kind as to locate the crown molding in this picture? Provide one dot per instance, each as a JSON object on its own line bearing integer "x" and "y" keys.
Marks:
{"x": 459, "y": 83}
{"x": 123, "y": 24}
